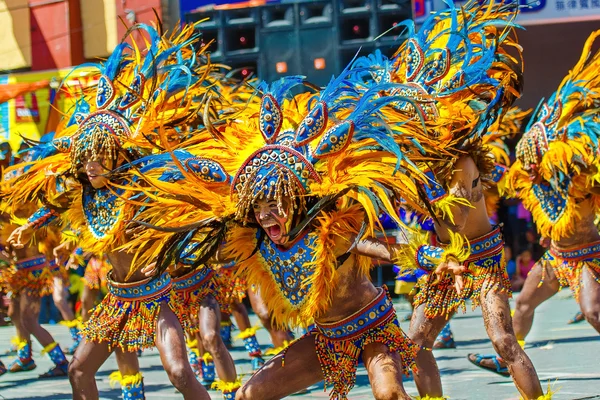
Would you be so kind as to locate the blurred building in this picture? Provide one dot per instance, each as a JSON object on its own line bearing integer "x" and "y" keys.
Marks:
{"x": 41, "y": 39}
{"x": 52, "y": 34}
{"x": 552, "y": 39}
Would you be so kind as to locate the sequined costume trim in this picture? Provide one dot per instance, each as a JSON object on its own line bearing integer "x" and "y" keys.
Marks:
{"x": 236, "y": 289}
{"x": 189, "y": 290}
{"x": 567, "y": 265}
{"x": 127, "y": 316}
{"x": 32, "y": 276}
{"x": 339, "y": 345}
{"x": 486, "y": 272}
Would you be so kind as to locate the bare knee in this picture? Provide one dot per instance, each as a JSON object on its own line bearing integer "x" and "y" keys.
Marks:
{"x": 523, "y": 308}
{"x": 29, "y": 323}
{"x": 210, "y": 340}
{"x": 251, "y": 392}
{"x": 592, "y": 315}
{"x": 506, "y": 346}
{"x": 180, "y": 375}
{"x": 423, "y": 335}
{"x": 76, "y": 372}
{"x": 388, "y": 392}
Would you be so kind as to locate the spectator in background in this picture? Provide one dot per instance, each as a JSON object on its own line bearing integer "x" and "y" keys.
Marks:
{"x": 525, "y": 263}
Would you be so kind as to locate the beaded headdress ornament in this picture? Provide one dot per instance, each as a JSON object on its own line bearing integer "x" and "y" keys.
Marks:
{"x": 138, "y": 93}
{"x": 569, "y": 118}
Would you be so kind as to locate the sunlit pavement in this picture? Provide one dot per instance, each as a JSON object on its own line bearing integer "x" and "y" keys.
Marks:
{"x": 566, "y": 356}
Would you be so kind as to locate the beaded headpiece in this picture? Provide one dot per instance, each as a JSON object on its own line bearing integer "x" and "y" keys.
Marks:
{"x": 303, "y": 132}
{"x": 560, "y": 147}
{"x": 460, "y": 72}
{"x": 139, "y": 91}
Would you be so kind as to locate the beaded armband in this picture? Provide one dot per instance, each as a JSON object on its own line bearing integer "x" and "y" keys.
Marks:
{"x": 434, "y": 191}
{"x": 42, "y": 217}
{"x": 417, "y": 255}
{"x": 427, "y": 257}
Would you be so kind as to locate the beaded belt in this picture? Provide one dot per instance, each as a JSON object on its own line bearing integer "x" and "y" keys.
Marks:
{"x": 487, "y": 245}
{"x": 33, "y": 263}
{"x": 577, "y": 253}
{"x": 376, "y": 313}
{"x": 140, "y": 290}
{"x": 193, "y": 279}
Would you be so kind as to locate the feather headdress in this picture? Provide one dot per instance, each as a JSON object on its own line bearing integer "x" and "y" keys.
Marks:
{"x": 560, "y": 147}
{"x": 148, "y": 93}
{"x": 463, "y": 68}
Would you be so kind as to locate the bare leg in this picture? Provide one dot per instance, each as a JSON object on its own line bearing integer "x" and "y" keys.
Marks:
{"x": 86, "y": 361}
{"x": 59, "y": 295}
{"x": 274, "y": 381}
{"x": 128, "y": 362}
{"x": 170, "y": 343}
{"x": 589, "y": 298}
{"x": 278, "y": 337}
{"x": 497, "y": 321}
{"x": 532, "y": 296}
{"x": 88, "y": 299}
{"x": 210, "y": 325}
{"x": 385, "y": 372}
{"x": 30, "y": 312}
{"x": 201, "y": 348}
{"x": 14, "y": 312}
{"x": 240, "y": 314}
{"x": 423, "y": 332}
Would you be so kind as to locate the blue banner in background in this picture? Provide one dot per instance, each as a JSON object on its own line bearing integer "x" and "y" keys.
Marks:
{"x": 186, "y": 6}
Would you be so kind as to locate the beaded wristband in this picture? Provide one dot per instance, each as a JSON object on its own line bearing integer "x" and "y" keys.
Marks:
{"x": 42, "y": 217}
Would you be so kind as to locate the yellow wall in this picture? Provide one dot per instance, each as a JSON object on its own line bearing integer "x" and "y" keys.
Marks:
{"x": 34, "y": 130}
{"x": 99, "y": 18}
{"x": 15, "y": 37}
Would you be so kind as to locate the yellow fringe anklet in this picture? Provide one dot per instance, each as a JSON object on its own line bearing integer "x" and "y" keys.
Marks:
{"x": 246, "y": 333}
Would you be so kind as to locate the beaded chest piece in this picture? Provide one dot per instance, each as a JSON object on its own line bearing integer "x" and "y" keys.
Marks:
{"x": 289, "y": 268}
{"x": 553, "y": 201}
{"x": 102, "y": 209}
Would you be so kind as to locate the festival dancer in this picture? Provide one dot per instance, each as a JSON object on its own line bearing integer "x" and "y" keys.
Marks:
{"x": 556, "y": 177}
{"x": 29, "y": 278}
{"x": 441, "y": 59}
{"x": 29, "y": 281}
{"x": 295, "y": 229}
{"x": 141, "y": 91}
{"x": 505, "y": 127}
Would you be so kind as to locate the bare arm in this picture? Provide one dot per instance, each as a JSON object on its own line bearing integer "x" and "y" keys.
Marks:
{"x": 374, "y": 248}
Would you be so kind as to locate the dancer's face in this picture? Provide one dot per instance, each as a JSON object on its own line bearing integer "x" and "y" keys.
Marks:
{"x": 96, "y": 173}
{"x": 533, "y": 174}
{"x": 275, "y": 222}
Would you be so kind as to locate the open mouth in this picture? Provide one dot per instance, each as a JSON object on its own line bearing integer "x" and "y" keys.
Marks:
{"x": 274, "y": 231}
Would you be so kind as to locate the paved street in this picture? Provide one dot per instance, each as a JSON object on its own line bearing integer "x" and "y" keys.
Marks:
{"x": 566, "y": 356}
